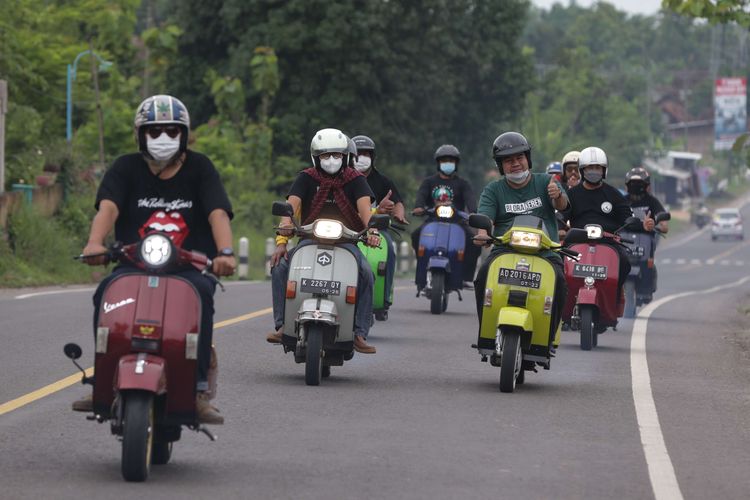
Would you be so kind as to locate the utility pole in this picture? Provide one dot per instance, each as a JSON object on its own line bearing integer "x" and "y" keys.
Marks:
{"x": 100, "y": 117}
{"x": 3, "y": 110}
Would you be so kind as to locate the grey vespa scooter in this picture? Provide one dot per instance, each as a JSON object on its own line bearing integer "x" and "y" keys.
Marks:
{"x": 321, "y": 294}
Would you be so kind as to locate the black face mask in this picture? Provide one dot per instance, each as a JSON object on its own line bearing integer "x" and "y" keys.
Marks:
{"x": 637, "y": 188}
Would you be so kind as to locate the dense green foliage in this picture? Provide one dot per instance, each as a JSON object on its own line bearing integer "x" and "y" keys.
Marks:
{"x": 260, "y": 76}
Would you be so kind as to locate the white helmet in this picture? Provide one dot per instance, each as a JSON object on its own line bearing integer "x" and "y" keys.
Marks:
{"x": 328, "y": 140}
{"x": 571, "y": 157}
{"x": 593, "y": 156}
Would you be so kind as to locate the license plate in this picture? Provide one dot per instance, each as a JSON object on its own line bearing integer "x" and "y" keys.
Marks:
{"x": 587, "y": 270}
{"x": 323, "y": 287}
{"x": 637, "y": 251}
{"x": 515, "y": 277}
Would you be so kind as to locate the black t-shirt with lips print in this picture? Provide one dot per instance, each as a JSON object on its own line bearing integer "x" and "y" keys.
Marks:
{"x": 178, "y": 206}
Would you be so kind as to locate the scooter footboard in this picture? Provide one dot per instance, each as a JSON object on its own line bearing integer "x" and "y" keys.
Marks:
{"x": 143, "y": 372}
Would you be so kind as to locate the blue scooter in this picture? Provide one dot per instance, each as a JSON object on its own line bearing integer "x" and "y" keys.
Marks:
{"x": 440, "y": 256}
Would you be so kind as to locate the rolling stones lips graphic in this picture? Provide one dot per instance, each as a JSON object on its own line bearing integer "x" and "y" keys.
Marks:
{"x": 172, "y": 224}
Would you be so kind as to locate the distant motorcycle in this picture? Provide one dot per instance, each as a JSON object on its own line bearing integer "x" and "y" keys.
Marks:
{"x": 592, "y": 304}
{"x": 440, "y": 256}
{"x": 641, "y": 282}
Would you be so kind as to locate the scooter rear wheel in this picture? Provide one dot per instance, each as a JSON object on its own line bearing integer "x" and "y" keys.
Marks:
{"x": 313, "y": 353}
{"x": 438, "y": 303}
{"x": 510, "y": 361}
{"x": 137, "y": 435}
{"x": 630, "y": 299}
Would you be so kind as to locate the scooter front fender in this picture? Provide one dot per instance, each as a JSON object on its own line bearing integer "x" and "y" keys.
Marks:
{"x": 326, "y": 312}
{"x": 587, "y": 296}
{"x": 515, "y": 317}
{"x": 143, "y": 372}
{"x": 436, "y": 262}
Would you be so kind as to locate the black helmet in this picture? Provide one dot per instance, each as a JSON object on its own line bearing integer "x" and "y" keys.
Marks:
{"x": 351, "y": 152}
{"x": 364, "y": 143}
{"x": 448, "y": 150}
{"x": 638, "y": 174}
{"x": 510, "y": 144}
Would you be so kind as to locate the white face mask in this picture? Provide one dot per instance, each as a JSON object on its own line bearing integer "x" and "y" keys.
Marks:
{"x": 163, "y": 148}
{"x": 331, "y": 165}
{"x": 363, "y": 164}
{"x": 518, "y": 177}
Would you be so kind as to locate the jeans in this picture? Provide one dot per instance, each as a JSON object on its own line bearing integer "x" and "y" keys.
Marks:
{"x": 558, "y": 302}
{"x": 363, "y": 307}
{"x": 205, "y": 287}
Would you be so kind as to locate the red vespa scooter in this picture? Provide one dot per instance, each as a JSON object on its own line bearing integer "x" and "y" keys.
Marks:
{"x": 592, "y": 304}
{"x": 146, "y": 352}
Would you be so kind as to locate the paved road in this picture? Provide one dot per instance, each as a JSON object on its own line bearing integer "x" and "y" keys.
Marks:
{"x": 423, "y": 418}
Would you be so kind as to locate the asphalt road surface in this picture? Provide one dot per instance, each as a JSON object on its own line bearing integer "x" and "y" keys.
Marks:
{"x": 661, "y": 409}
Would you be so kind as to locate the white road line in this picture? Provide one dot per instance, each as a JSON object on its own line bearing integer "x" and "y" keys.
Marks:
{"x": 724, "y": 262}
{"x": 660, "y": 469}
{"x": 680, "y": 262}
{"x": 739, "y": 263}
{"x": 710, "y": 262}
{"x": 666, "y": 261}
{"x": 53, "y": 292}
{"x": 695, "y": 262}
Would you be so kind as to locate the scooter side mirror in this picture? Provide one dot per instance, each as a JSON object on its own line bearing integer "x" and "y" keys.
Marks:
{"x": 73, "y": 351}
{"x": 662, "y": 216}
{"x": 380, "y": 221}
{"x": 480, "y": 221}
{"x": 576, "y": 235}
{"x": 282, "y": 209}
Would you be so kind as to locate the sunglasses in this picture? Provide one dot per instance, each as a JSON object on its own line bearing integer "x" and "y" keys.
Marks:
{"x": 171, "y": 130}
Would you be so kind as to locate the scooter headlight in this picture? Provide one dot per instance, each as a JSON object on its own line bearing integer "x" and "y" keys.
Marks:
{"x": 593, "y": 231}
{"x": 327, "y": 229}
{"x": 445, "y": 212}
{"x": 156, "y": 250}
{"x": 525, "y": 239}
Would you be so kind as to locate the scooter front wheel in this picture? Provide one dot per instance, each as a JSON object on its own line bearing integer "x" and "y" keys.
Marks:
{"x": 510, "y": 361}
{"x": 137, "y": 434}
{"x": 587, "y": 327}
{"x": 313, "y": 354}
{"x": 438, "y": 303}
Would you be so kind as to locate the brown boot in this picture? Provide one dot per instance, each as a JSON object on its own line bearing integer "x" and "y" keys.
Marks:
{"x": 206, "y": 413}
{"x": 361, "y": 345}
{"x": 274, "y": 337}
{"x": 86, "y": 403}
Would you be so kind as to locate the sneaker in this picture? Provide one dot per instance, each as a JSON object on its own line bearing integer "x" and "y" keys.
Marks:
{"x": 86, "y": 403}
{"x": 361, "y": 345}
{"x": 206, "y": 413}
{"x": 274, "y": 337}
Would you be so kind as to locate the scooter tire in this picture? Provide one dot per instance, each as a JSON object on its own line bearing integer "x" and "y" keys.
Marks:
{"x": 313, "y": 354}
{"x": 587, "y": 328}
{"x": 137, "y": 435}
{"x": 325, "y": 372}
{"x": 438, "y": 302}
{"x": 510, "y": 361}
{"x": 630, "y": 299}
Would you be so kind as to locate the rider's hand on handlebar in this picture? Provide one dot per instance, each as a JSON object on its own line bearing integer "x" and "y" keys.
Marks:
{"x": 482, "y": 239}
{"x": 224, "y": 265}
{"x": 93, "y": 249}
{"x": 278, "y": 254}
{"x": 285, "y": 229}
{"x": 418, "y": 211}
{"x": 373, "y": 239}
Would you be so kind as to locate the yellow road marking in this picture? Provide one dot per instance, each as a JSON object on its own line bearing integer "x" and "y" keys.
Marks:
{"x": 44, "y": 391}
{"x": 17, "y": 403}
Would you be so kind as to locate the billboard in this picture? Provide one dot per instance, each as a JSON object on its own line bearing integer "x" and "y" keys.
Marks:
{"x": 730, "y": 111}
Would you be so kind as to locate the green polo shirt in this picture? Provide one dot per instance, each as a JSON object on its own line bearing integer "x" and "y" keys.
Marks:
{"x": 501, "y": 203}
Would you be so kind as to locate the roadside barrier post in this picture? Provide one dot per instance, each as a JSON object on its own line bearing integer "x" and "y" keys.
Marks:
{"x": 242, "y": 268}
{"x": 270, "y": 248}
{"x": 404, "y": 257}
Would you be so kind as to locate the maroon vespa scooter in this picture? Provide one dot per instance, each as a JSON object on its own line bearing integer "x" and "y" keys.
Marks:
{"x": 146, "y": 352}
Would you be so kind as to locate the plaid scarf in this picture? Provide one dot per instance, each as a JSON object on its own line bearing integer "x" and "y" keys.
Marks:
{"x": 337, "y": 183}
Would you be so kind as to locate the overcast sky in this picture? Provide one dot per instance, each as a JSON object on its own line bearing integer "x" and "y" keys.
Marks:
{"x": 630, "y": 6}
